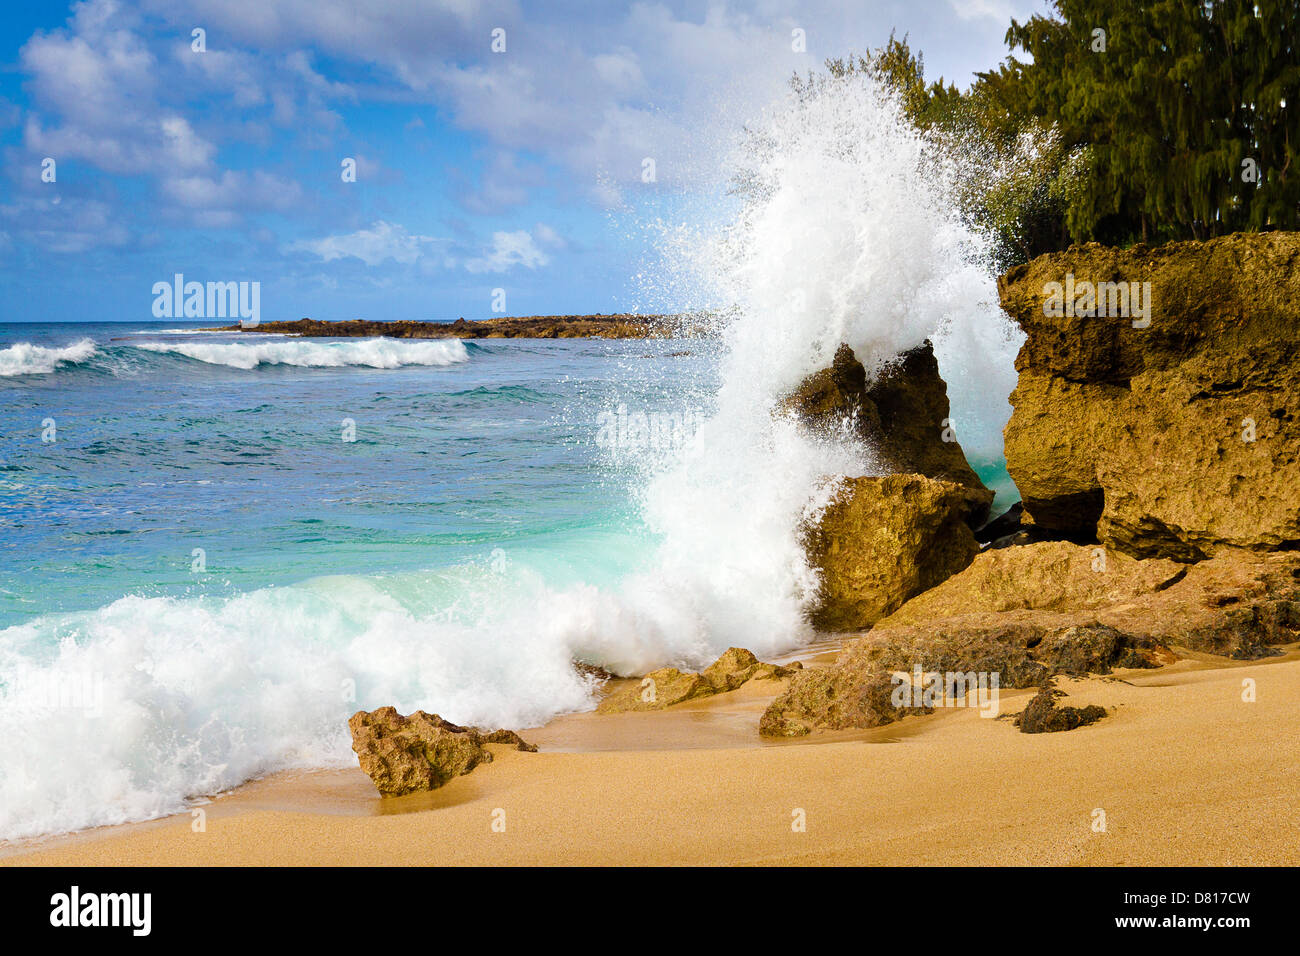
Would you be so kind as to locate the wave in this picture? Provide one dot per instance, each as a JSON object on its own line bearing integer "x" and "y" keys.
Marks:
{"x": 24, "y": 358}
{"x": 370, "y": 353}
{"x": 135, "y": 710}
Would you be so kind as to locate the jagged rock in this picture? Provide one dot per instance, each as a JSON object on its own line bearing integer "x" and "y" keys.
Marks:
{"x": 420, "y": 752}
{"x": 1030, "y": 612}
{"x": 901, "y": 414}
{"x": 814, "y": 699}
{"x": 1175, "y": 440}
{"x": 1042, "y": 716}
{"x": 1239, "y": 604}
{"x": 1045, "y": 576}
{"x": 594, "y": 671}
{"x": 668, "y": 686}
{"x": 882, "y": 540}
{"x": 736, "y": 666}
{"x": 854, "y": 691}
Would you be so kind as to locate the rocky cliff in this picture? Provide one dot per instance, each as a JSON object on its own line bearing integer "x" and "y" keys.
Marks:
{"x": 1172, "y": 434}
{"x": 1154, "y": 425}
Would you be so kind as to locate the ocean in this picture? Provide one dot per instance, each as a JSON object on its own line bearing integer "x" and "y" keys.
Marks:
{"x": 215, "y": 547}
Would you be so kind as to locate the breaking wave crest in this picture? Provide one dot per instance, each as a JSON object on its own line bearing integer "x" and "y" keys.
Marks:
{"x": 370, "y": 353}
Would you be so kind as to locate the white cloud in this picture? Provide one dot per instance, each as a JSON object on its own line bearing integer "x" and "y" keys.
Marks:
{"x": 1000, "y": 10}
{"x": 509, "y": 249}
{"x": 99, "y": 78}
{"x": 381, "y": 242}
{"x": 233, "y": 190}
{"x": 74, "y": 226}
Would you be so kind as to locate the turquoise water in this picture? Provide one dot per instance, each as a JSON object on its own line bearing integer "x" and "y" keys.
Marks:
{"x": 158, "y": 454}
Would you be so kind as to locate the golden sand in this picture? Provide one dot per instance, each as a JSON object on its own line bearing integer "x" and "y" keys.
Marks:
{"x": 1184, "y": 770}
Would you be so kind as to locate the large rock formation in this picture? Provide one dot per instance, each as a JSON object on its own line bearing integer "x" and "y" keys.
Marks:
{"x": 1174, "y": 435}
{"x": 901, "y": 413}
{"x": 1238, "y": 604}
{"x": 667, "y": 686}
{"x": 1026, "y": 613}
{"x": 420, "y": 752}
{"x": 882, "y": 540}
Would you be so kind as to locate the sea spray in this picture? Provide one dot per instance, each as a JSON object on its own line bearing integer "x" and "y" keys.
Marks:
{"x": 844, "y": 231}
{"x": 847, "y": 231}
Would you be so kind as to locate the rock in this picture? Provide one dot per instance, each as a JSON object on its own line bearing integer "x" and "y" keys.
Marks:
{"x": 1028, "y": 613}
{"x": 901, "y": 413}
{"x": 1042, "y": 716}
{"x": 855, "y": 691}
{"x": 624, "y": 326}
{"x": 882, "y": 540}
{"x": 420, "y": 752}
{"x": 737, "y": 666}
{"x": 1239, "y": 604}
{"x": 668, "y": 686}
{"x": 593, "y": 671}
{"x": 1176, "y": 440}
{"x": 1044, "y": 576}
{"x": 814, "y": 699}
{"x": 1004, "y": 526}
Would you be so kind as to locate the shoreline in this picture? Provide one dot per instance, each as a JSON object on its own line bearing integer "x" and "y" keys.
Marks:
{"x": 614, "y": 326}
{"x": 1185, "y": 773}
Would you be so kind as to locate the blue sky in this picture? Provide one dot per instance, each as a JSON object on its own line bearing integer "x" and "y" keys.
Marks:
{"x": 477, "y": 169}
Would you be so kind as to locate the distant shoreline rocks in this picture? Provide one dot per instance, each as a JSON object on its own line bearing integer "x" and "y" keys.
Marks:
{"x": 617, "y": 326}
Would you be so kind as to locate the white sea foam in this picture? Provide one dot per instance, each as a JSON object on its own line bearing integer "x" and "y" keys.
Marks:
{"x": 371, "y": 353}
{"x": 24, "y": 358}
{"x": 848, "y": 211}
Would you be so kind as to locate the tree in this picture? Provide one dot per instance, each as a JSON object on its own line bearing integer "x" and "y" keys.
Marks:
{"x": 1182, "y": 105}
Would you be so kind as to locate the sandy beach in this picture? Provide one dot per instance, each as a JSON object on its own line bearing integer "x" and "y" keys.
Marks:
{"x": 1185, "y": 771}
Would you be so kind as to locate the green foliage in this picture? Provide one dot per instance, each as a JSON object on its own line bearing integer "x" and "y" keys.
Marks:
{"x": 1119, "y": 121}
{"x": 1182, "y": 96}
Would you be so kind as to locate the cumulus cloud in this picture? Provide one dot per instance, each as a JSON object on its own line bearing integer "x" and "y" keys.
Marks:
{"x": 107, "y": 91}
{"x": 98, "y": 80}
{"x": 381, "y": 242}
{"x": 509, "y": 249}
